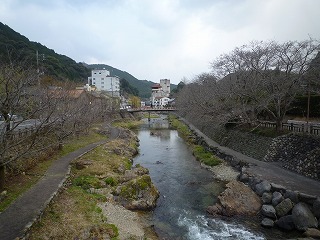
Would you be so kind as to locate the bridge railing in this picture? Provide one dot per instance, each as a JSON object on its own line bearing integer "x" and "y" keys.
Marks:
{"x": 151, "y": 109}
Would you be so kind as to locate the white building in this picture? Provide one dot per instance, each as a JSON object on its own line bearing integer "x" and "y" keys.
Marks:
{"x": 164, "y": 101}
{"x": 103, "y": 81}
{"x": 160, "y": 93}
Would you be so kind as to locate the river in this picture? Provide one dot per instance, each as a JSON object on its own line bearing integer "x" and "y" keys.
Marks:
{"x": 186, "y": 189}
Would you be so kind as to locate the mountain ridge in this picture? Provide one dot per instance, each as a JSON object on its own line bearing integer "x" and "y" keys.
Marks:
{"x": 15, "y": 46}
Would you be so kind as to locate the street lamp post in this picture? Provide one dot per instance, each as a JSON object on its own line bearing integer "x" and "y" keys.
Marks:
{"x": 308, "y": 105}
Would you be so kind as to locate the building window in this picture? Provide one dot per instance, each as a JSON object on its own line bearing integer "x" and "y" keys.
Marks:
{"x": 94, "y": 79}
{"x": 102, "y": 86}
{"x": 102, "y": 78}
{"x": 94, "y": 83}
{"x": 94, "y": 73}
{"x": 102, "y": 82}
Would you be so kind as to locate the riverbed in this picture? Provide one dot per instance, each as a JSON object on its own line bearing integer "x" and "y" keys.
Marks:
{"x": 186, "y": 190}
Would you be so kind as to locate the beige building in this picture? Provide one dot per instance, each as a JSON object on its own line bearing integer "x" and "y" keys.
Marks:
{"x": 160, "y": 93}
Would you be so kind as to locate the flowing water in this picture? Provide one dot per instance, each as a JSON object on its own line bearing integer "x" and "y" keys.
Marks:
{"x": 186, "y": 190}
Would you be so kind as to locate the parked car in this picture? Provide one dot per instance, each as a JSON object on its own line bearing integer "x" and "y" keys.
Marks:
{"x": 13, "y": 117}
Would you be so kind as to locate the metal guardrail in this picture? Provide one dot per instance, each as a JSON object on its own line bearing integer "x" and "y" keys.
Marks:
{"x": 19, "y": 129}
{"x": 12, "y": 135}
{"x": 295, "y": 126}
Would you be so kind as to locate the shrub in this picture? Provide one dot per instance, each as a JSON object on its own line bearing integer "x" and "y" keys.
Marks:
{"x": 111, "y": 181}
{"x": 87, "y": 182}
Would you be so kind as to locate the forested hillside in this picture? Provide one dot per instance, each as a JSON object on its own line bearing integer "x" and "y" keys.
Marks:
{"x": 15, "y": 47}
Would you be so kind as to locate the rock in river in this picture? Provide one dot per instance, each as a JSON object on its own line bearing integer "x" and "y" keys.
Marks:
{"x": 303, "y": 217}
{"x": 138, "y": 193}
{"x": 268, "y": 211}
{"x": 237, "y": 199}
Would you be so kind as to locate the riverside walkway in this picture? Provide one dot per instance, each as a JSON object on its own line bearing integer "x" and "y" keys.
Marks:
{"x": 20, "y": 215}
{"x": 267, "y": 170}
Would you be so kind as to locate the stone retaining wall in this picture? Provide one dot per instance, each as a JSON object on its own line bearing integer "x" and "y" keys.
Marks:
{"x": 286, "y": 209}
{"x": 250, "y": 144}
{"x": 298, "y": 153}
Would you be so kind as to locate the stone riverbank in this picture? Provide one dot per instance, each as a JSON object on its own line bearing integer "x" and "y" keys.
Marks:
{"x": 278, "y": 205}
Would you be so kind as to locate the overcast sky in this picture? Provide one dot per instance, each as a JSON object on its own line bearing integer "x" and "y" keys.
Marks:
{"x": 156, "y": 39}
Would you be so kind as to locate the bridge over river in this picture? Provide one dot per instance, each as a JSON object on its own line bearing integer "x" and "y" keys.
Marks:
{"x": 149, "y": 109}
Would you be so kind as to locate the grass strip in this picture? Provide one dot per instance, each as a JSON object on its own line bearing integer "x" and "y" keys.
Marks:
{"x": 200, "y": 153}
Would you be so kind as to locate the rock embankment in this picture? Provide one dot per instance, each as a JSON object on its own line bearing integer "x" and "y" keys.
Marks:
{"x": 280, "y": 207}
{"x": 277, "y": 206}
{"x": 285, "y": 208}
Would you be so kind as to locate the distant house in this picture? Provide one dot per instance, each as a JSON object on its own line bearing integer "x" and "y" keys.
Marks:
{"x": 160, "y": 93}
{"x": 164, "y": 101}
{"x": 104, "y": 82}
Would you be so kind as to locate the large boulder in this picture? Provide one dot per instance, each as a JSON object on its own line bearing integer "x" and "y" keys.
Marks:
{"x": 262, "y": 187}
{"x": 303, "y": 217}
{"x": 276, "y": 198}
{"x": 293, "y": 195}
{"x": 284, "y": 207}
{"x": 267, "y": 222}
{"x": 309, "y": 199}
{"x": 266, "y": 197}
{"x": 316, "y": 208}
{"x": 215, "y": 210}
{"x": 239, "y": 199}
{"x": 276, "y": 187}
{"x": 137, "y": 194}
{"x": 286, "y": 223}
{"x": 268, "y": 211}
{"x": 134, "y": 173}
{"x": 312, "y": 233}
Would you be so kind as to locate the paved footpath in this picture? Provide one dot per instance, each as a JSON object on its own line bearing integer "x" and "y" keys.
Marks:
{"x": 20, "y": 215}
{"x": 268, "y": 170}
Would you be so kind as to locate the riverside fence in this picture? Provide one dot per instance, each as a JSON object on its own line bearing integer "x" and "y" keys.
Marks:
{"x": 295, "y": 126}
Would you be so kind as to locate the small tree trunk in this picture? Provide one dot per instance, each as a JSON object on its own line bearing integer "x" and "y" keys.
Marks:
{"x": 2, "y": 177}
{"x": 278, "y": 125}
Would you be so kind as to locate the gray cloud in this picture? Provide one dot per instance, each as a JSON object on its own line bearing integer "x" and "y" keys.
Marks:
{"x": 158, "y": 39}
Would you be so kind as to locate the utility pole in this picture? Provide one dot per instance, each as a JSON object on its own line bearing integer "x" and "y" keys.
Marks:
{"x": 37, "y": 56}
{"x": 112, "y": 94}
{"x": 308, "y": 106}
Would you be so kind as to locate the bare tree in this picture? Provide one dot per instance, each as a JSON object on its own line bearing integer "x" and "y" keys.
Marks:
{"x": 198, "y": 99}
{"x": 48, "y": 115}
{"x": 16, "y": 139}
{"x": 266, "y": 76}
